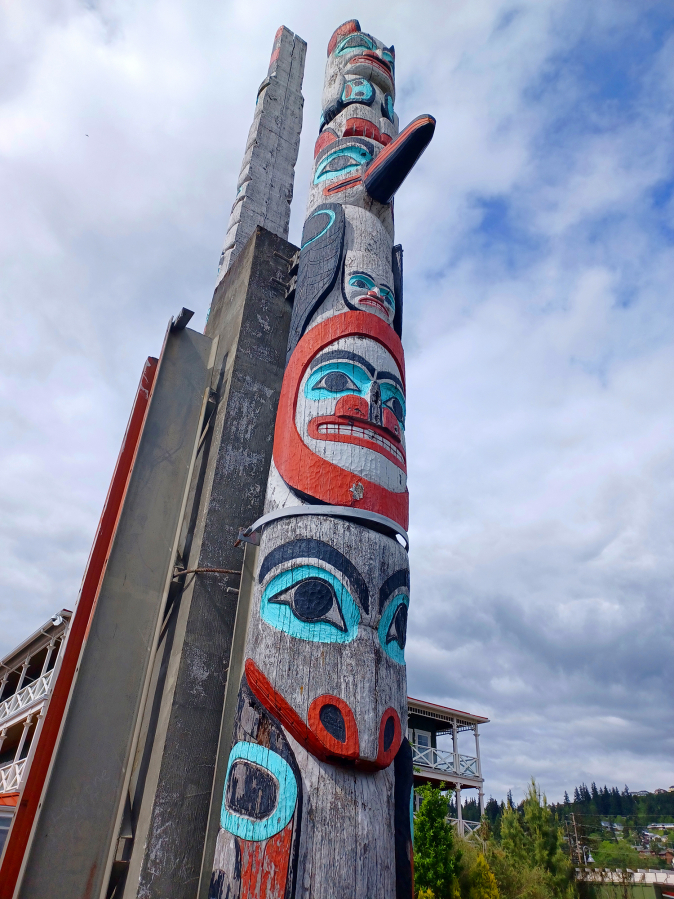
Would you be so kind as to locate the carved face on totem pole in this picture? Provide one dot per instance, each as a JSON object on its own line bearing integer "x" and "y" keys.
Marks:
{"x": 332, "y": 586}
{"x": 340, "y": 428}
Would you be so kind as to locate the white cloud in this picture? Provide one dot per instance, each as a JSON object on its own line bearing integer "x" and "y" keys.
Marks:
{"x": 538, "y": 328}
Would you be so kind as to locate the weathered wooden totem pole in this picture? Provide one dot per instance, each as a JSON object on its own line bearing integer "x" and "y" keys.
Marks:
{"x": 317, "y": 798}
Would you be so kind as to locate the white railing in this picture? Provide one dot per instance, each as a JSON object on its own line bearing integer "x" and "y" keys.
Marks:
{"x": 433, "y": 758}
{"x": 26, "y": 696}
{"x": 442, "y": 760}
{"x": 468, "y": 766}
{"x": 10, "y": 776}
{"x": 466, "y": 826}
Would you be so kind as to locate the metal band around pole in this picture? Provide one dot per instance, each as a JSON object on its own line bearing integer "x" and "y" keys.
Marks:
{"x": 380, "y": 522}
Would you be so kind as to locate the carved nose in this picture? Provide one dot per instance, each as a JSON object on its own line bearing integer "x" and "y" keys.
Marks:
{"x": 333, "y": 722}
{"x": 352, "y": 407}
{"x": 375, "y": 404}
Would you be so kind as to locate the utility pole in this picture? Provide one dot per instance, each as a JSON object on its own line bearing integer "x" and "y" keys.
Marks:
{"x": 577, "y": 841}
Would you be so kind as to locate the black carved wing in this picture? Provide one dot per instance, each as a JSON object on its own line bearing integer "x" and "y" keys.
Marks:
{"x": 397, "y": 266}
{"x": 320, "y": 260}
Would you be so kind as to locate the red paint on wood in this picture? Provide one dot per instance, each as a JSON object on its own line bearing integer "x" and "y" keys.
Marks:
{"x": 275, "y": 55}
{"x": 372, "y": 59}
{"x": 364, "y": 128}
{"x": 297, "y": 464}
{"x": 349, "y": 749}
{"x": 336, "y": 187}
{"x": 350, "y": 27}
{"x": 31, "y": 792}
{"x": 324, "y": 140}
{"x": 340, "y": 417}
{"x": 385, "y": 757}
{"x": 281, "y": 709}
{"x": 420, "y": 122}
{"x": 9, "y": 799}
{"x": 264, "y": 865}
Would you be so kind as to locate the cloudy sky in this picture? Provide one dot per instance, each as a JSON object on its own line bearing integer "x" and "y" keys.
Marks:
{"x": 538, "y": 231}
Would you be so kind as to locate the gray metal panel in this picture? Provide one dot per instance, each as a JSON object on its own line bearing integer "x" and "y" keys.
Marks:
{"x": 77, "y": 827}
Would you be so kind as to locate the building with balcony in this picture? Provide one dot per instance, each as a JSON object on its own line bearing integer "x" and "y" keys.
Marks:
{"x": 26, "y": 676}
{"x": 448, "y": 768}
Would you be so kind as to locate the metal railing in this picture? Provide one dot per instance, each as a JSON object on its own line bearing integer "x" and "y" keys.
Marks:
{"x": 10, "y": 776}
{"x": 26, "y": 696}
{"x": 442, "y": 760}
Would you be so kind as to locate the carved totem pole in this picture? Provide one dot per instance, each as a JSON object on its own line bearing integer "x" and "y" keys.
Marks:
{"x": 317, "y": 798}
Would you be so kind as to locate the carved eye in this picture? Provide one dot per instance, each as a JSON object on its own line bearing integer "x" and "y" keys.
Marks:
{"x": 393, "y": 628}
{"x": 387, "y": 297}
{"x": 313, "y": 601}
{"x": 310, "y": 603}
{"x": 396, "y": 407}
{"x": 362, "y": 282}
{"x": 354, "y": 42}
{"x": 387, "y": 107}
{"x": 358, "y": 89}
{"x": 341, "y": 162}
{"x": 337, "y": 382}
{"x": 398, "y": 627}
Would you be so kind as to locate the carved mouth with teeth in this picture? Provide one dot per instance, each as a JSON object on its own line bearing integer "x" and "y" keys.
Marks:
{"x": 329, "y": 427}
{"x": 372, "y": 60}
{"x": 368, "y": 300}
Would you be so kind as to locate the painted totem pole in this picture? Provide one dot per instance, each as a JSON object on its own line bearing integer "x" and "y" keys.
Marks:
{"x": 317, "y": 799}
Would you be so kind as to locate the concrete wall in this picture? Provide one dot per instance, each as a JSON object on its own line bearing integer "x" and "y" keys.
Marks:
{"x": 173, "y": 771}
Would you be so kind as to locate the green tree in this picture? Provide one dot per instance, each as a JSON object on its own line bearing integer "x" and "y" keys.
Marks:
{"x": 530, "y": 861}
{"x": 616, "y": 855}
{"x": 477, "y": 879}
{"x": 436, "y": 859}
{"x": 545, "y": 840}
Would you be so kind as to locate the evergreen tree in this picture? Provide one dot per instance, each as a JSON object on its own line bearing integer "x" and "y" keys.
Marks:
{"x": 482, "y": 881}
{"x": 436, "y": 861}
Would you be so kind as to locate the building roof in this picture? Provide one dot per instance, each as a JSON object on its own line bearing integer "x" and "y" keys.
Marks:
{"x": 11, "y": 659}
{"x": 443, "y": 714}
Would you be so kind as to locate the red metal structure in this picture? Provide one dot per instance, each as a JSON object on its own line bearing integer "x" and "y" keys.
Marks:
{"x": 31, "y": 792}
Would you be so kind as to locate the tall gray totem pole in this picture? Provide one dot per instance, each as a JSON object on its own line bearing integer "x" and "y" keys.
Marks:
{"x": 318, "y": 789}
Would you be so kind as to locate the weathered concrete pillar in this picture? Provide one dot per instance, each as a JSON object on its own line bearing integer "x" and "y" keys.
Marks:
{"x": 264, "y": 189}
{"x": 174, "y": 767}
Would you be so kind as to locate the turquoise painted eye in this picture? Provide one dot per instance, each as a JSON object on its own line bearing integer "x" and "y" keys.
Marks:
{"x": 337, "y": 382}
{"x": 358, "y": 90}
{"x": 337, "y": 378}
{"x": 387, "y": 107}
{"x": 312, "y": 604}
{"x": 353, "y": 43}
{"x": 362, "y": 282}
{"x": 387, "y": 297}
{"x": 341, "y": 162}
{"x": 393, "y": 399}
{"x": 396, "y": 407}
{"x": 241, "y": 812}
{"x": 392, "y": 628}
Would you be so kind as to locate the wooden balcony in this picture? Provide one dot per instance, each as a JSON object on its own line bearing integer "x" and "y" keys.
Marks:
{"x": 26, "y": 697}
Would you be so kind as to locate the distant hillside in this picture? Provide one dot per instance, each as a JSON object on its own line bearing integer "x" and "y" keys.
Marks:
{"x": 610, "y": 803}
